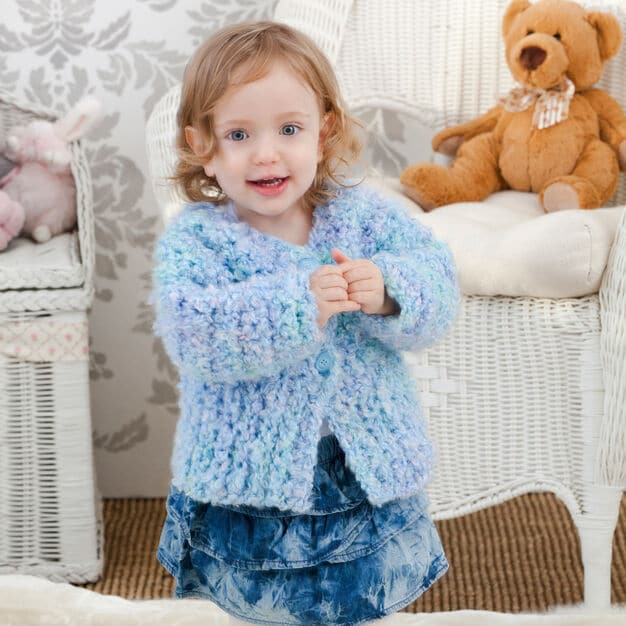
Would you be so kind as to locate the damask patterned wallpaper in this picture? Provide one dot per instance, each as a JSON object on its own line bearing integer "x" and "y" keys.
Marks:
{"x": 127, "y": 54}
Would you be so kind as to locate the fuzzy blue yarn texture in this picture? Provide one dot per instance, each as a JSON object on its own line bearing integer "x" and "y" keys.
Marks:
{"x": 257, "y": 375}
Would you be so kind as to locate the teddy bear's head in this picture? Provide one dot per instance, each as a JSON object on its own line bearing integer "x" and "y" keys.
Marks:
{"x": 553, "y": 39}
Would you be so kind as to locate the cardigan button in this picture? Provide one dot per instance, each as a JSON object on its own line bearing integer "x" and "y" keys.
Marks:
{"x": 308, "y": 263}
{"x": 324, "y": 362}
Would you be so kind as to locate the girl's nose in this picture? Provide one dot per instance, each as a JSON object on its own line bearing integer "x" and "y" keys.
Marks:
{"x": 266, "y": 152}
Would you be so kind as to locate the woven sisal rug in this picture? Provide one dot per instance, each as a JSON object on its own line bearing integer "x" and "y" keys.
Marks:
{"x": 522, "y": 555}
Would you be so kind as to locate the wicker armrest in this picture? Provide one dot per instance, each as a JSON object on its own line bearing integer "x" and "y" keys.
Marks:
{"x": 611, "y": 461}
{"x": 84, "y": 218}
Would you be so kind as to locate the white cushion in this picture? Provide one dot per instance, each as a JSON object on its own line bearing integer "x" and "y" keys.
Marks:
{"x": 56, "y": 263}
{"x": 506, "y": 245}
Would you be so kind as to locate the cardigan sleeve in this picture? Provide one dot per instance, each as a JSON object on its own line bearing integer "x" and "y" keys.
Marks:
{"x": 225, "y": 331}
{"x": 419, "y": 273}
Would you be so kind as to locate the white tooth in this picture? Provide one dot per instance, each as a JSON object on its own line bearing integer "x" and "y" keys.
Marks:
{"x": 269, "y": 182}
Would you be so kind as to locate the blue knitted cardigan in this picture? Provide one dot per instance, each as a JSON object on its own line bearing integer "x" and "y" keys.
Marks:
{"x": 257, "y": 375}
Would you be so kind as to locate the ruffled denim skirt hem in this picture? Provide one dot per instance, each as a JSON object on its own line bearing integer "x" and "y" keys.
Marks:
{"x": 345, "y": 562}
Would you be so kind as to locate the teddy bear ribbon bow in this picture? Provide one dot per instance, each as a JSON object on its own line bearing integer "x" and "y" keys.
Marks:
{"x": 552, "y": 105}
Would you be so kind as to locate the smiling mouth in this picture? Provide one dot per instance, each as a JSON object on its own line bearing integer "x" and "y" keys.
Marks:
{"x": 268, "y": 182}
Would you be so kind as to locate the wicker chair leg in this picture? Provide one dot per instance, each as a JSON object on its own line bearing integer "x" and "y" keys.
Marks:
{"x": 596, "y": 527}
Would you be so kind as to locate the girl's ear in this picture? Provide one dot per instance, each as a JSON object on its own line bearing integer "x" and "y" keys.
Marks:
{"x": 194, "y": 140}
{"x": 326, "y": 125}
{"x": 198, "y": 146}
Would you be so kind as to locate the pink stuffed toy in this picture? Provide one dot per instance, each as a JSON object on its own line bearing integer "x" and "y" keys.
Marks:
{"x": 38, "y": 196}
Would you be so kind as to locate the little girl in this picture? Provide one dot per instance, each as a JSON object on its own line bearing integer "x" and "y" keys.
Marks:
{"x": 283, "y": 296}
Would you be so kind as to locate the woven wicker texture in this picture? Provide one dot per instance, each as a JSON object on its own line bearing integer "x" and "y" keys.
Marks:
{"x": 54, "y": 264}
{"x": 611, "y": 461}
{"x": 22, "y": 289}
{"x": 529, "y": 434}
{"x": 518, "y": 556}
{"x": 161, "y": 148}
{"x": 525, "y": 394}
{"x": 50, "y": 517}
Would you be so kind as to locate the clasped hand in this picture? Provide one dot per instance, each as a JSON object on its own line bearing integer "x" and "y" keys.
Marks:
{"x": 351, "y": 285}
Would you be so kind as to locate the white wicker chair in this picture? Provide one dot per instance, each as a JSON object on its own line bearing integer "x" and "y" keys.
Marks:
{"x": 525, "y": 394}
{"x": 50, "y": 508}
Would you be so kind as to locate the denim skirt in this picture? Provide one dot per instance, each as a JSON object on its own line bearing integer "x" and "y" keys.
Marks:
{"x": 344, "y": 562}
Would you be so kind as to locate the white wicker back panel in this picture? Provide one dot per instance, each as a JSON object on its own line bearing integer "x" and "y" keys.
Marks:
{"x": 508, "y": 396}
{"x": 441, "y": 62}
{"x": 161, "y": 151}
{"x": 328, "y": 19}
{"x": 423, "y": 58}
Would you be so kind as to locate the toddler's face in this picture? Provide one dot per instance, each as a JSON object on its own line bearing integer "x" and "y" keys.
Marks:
{"x": 268, "y": 135}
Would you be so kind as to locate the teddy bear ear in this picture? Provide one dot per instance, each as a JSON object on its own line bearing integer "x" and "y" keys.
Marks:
{"x": 515, "y": 8}
{"x": 609, "y": 33}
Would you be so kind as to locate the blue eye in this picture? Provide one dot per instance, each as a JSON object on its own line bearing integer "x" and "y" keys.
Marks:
{"x": 238, "y": 135}
{"x": 289, "y": 129}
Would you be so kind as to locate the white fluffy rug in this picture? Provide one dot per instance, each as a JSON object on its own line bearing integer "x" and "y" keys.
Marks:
{"x": 30, "y": 601}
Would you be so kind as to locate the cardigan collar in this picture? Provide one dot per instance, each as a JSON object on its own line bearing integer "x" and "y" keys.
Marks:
{"x": 316, "y": 246}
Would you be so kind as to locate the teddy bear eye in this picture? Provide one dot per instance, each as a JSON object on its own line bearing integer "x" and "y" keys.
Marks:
{"x": 557, "y": 36}
{"x": 530, "y": 32}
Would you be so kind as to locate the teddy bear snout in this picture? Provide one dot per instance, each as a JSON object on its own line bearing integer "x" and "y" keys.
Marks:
{"x": 532, "y": 57}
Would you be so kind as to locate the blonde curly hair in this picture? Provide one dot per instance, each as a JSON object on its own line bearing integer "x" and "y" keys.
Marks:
{"x": 248, "y": 49}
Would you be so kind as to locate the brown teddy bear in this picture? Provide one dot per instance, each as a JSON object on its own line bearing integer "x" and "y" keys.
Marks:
{"x": 553, "y": 134}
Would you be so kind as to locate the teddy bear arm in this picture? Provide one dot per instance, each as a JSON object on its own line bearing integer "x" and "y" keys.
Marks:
{"x": 611, "y": 117}
{"x": 449, "y": 140}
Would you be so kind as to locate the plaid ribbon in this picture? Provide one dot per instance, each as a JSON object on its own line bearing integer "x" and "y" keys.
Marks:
{"x": 552, "y": 105}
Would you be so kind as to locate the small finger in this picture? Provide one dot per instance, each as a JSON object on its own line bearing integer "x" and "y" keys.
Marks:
{"x": 345, "y": 306}
{"x": 366, "y": 284}
{"x": 362, "y": 297}
{"x": 332, "y": 294}
{"x": 326, "y": 270}
{"x": 333, "y": 280}
{"x": 362, "y": 270}
{"x": 359, "y": 272}
{"x": 347, "y": 266}
{"x": 322, "y": 272}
